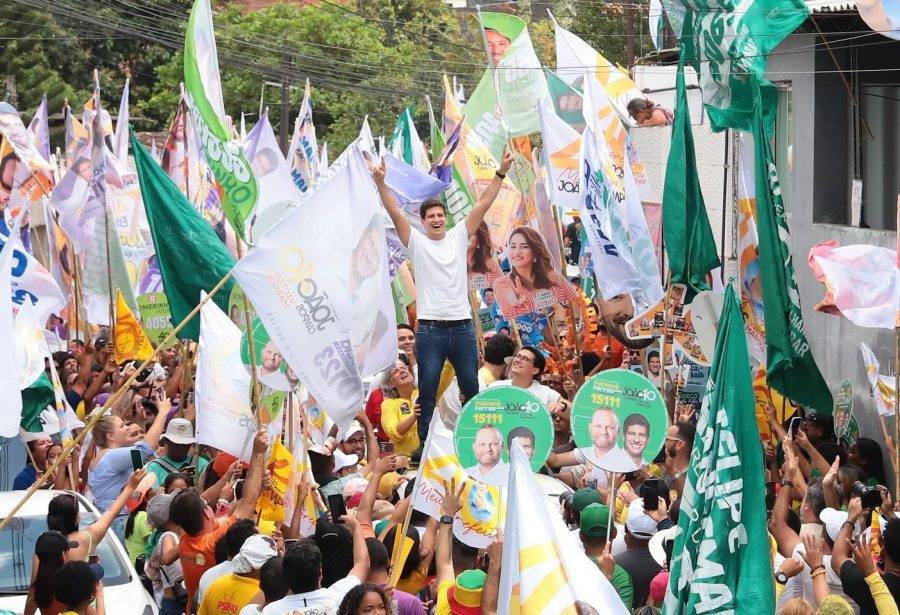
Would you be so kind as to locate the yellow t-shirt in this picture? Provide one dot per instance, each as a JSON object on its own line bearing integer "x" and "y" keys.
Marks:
{"x": 442, "y": 604}
{"x": 228, "y": 595}
{"x": 393, "y": 411}
{"x": 486, "y": 375}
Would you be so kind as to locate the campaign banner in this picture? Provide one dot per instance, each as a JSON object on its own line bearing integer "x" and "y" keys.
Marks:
{"x": 155, "y": 316}
{"x": 326, "y": 264}
{"x": 30, "y": 280}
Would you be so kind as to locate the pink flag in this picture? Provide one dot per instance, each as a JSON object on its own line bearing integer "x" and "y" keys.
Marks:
{"x": 855, "y": 282}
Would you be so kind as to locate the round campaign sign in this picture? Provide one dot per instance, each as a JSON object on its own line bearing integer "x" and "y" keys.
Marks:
{"x": 487, "y": 426}
{"x": 619, "y": 420}
{"x": 270, "y": 364}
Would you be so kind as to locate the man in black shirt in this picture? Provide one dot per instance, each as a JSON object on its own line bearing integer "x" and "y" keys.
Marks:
{"x": 572, "y": 239}
{"x": 854, "y": 573}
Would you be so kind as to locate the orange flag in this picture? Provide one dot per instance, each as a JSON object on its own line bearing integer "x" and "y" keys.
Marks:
{"x": 131, "y": 341}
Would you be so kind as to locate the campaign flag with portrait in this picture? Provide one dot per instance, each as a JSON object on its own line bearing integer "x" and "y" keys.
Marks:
{"x": 326, "y": 264}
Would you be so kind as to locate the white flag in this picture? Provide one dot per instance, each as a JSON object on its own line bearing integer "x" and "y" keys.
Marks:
{"x": 120, "y": 138}
{"x": 11, "y": 414}
{"x": 545, "y": 570}
{"x": 224, "y": 416}
{"x": 31, "y": 281}
{"x": 881, "y": 387}
{"x": 319, "y": 282}
{"x": 562, "y": 146}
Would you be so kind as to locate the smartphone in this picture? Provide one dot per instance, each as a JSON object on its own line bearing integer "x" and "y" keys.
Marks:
{"x": 386, "y": 449}
{"x": 650, "y": 493}
{"x": 592, "y": 483}
{"x": 794, "y": 425}
{"x": 770, "y": 495}
{"x": 290, "y": 542}
{"x": 337, "y": 507}
{"x": 137, "y": 459}
{"x": 94, "y": 559}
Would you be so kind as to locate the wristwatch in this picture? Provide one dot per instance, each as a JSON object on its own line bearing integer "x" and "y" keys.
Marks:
{"x": 786, "y": 483}
{"x": 447, "y": 519}
{"x": 781, "y": 578}
{"x": 500, "y": 175}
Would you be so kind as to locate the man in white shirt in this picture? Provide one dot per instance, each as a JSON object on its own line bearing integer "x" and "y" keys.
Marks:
{"x": 527, "y": 365}
{"x": 302, "y": 568}
{"x": 445, "y": 330}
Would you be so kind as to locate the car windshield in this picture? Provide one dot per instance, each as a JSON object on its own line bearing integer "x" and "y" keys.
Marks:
{"x": 17, "y": 547}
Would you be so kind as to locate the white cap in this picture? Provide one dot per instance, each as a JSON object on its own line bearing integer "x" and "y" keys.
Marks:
{"x": 353, "y": 428}
{"x": 180, "y": 431}
{"x": 343, "y": 460}
{"x": 833, "y": 520}
{"x": 657, "y": 544}
{"x": 639, "y": 523}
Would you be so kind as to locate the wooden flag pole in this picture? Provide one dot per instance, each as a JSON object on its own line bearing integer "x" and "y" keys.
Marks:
{"x": 111, "y": 400}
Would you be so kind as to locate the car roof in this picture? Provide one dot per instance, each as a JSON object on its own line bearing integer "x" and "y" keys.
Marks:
{"x": 37, "y": 504}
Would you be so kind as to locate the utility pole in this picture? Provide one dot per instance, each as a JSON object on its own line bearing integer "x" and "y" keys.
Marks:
{"x": 286, "y": 63}
{"x": 629, "y": 39}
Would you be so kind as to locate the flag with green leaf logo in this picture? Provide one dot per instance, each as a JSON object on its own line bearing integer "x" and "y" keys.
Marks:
{"x": 720, "y": 562}
{"x": 406, "y": 144}
{"x": 203, "y": 95}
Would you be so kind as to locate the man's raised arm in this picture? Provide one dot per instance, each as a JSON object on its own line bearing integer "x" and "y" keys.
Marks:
{"x": 389, "y": 202}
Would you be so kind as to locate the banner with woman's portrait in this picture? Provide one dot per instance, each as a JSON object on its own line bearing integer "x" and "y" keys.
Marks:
{"x": 532, "y": 285}
{"x": 481, "y": 260}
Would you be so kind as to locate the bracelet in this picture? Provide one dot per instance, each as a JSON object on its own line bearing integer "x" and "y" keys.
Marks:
{"x": 786, "y": 483}
{"x": 500, "y": 175}
{"x": 852, "y": 525}
{"x": 817, "y": 573}
{"x": 819, "y": 567}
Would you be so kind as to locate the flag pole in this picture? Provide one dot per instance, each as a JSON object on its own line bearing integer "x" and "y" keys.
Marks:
{"x": 111, "y": 400}
{"x": 251, "y": 344}
{"x": 106, "y": 213}
{"x": 896, "y": 456}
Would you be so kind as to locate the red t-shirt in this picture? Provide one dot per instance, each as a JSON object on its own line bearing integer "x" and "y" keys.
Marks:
{"x": 198, "y": 554}
{"x": 373, "y": 411}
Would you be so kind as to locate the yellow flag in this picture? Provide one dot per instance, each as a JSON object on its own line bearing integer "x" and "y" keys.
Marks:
{"x": 271, "y": 502}
{"x": 131, "y": 341}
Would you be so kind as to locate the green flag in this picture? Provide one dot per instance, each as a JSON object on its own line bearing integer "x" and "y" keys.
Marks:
{"x": 720, "y": 562}
{"x": 191, "y": 258}
{"x": 728, "y": 48}
{"x": 689, "y": 240}
{"x": 790, "y": 367}
{"x": 567, "y": 101}
{"x": 35, "y": 400}
{"x": 457, "y": 196}
{"x": 203, "y": 96}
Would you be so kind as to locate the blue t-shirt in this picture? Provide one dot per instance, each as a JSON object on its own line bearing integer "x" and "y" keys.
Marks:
{"x": 25, "y": 478}
{"x": 111, "y": 474}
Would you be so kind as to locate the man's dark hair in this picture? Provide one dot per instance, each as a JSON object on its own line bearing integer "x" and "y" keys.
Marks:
{"x": 519, "y": 432}
{"x": 187, "y": 511}
{"x": 539, "y": 361}
{"x": 497, "y": 348}
{"x": 636, "y": 419}
{"x": 652, "y": 353}
{"x": 403, "y": 325}
{"x": 891, "y": 537}
{"x": 220, "y": 551}
{"x": 336, "y": 545}
{"x": 379, "y": 560}
{"x": 73, "y": 584}
{"x": 237, "y": 534}
{"x": 271, "y": 579}
{"x": 685, "y": 430}
{"x": 302, "y": 567}
{"x": 424, "y": 207}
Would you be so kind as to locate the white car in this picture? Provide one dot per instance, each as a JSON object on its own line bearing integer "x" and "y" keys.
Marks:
{"x": 123, "y": 592}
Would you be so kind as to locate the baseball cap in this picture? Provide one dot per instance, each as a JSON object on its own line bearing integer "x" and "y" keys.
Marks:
{"x": 657, "y": 544}
{"x": 833, "y": 520}
{"x": 179, "y": 431}
{"x": 158, "y": 509}
{"x": 343, "y": 460}
{"x": 638, "y": 523}
{"x": 52, "y": 543}
{"x": 594, "y": 520}
{"x": 464, "y": 595}
{"x": 583, "y": 498}
{"x": 658, "y": 586}
{"x": 354, "y": 428}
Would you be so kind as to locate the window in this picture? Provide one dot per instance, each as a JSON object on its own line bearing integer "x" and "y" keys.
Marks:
{"x": 880, "y": 157}
{"x": 784, "y": 140}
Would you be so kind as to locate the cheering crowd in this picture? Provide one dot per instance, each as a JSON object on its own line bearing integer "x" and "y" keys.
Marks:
{"x": 188, "y": 514}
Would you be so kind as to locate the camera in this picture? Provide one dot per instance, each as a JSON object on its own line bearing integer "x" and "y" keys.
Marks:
{"x": 868, "y": 495}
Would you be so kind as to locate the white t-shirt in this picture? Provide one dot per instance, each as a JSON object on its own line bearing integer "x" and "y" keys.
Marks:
{"x": 801, "y": 586}
{"x": 324, "y": 601}
{"x": 442, "y": 291}
{"x": 541, "y": 391}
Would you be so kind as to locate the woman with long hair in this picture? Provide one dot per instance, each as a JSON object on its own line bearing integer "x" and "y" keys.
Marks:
{"x": 51, "y": 551}
{"x": 866, "y": 454}
{"x": 365, "y": 599}
{"x": 481, "y": 262}
{"x": 111, "y": 466}
{"x": 532, "y": 285}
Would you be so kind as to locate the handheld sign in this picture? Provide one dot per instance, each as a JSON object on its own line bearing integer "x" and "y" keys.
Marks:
{"x": 619, "y": 420}
{"x": 488, "y": 424}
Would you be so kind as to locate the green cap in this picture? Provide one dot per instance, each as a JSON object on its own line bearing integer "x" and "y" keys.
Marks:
{"x": 583, "y": 498}
{"x": 508, "y": 25}
{"x": 471, "y": 579}
{"x": 594, "y": 520}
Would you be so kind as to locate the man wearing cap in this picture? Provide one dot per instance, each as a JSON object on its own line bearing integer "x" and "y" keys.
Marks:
{"x": 592, "y": 531}
{"x": 178, "y": 438}
{"x": 232, "y": 592}
{"x": 637, "y": 560}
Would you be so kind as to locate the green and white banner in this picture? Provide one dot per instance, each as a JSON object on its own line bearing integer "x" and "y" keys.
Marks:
{"x": 203, "y": 95}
